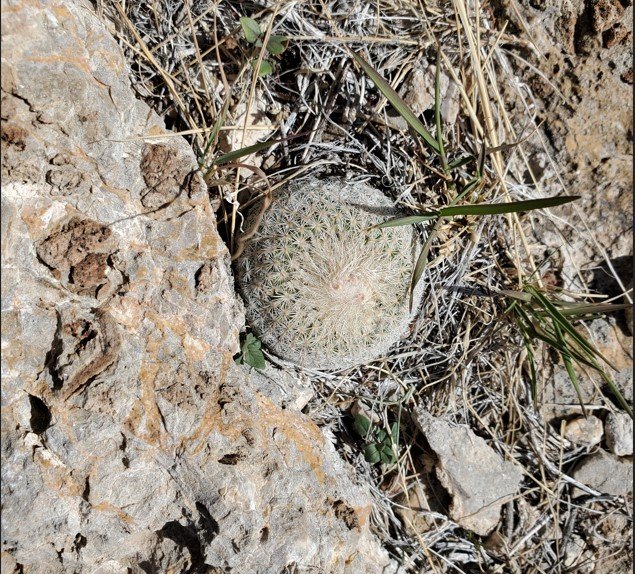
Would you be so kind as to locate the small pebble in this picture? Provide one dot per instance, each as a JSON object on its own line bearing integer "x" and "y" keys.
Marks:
{"x": 619, "y": 433}
{"x": 584, "y": 431}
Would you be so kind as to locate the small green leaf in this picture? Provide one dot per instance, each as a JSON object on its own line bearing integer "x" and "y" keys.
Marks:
{"x": 386, "y": 454}
{"x": 381, "y": 435}
{"x": 361, "y": 425}
{"x": 251, "y": 353}
{"x": 511, "y": 207}
{"x": 277, "y": 44}
{"x": 265, "y": 67}
{"x": 371, "y": 454}
{"x": 251, "y": 29}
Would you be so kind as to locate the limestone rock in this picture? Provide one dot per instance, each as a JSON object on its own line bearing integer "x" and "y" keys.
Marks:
{"x": 477, "y": 479}
{"x": 585, "y": 431}
{"x": 606, "y": 473}
{"x": 420, "y": 89}
{"x": 131, "y": 442}
{"x": 619, "y": 433}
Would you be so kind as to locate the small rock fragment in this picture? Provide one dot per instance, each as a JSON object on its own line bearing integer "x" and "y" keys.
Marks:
{"x": 619, "y": 433}
{"x": 477, "y": 479}
{"x": 605, "y": 472}
{"x": 585, "y": 431}
{"x": 573, "y": 550}
{"x": 419, "y": 94}
{"x": 606, "y": 13}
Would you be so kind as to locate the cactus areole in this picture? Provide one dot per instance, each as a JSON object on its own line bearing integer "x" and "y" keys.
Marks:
{"x": 321, "y": 288}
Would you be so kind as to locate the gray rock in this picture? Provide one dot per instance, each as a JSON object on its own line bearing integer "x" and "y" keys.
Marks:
{"x": 619, "y": 433}
{"x": 282, "y": 387}
{"x": 477, "y": 478}
{"x": 585, "y": 431}
{"x": 606, "y": 473}
{"x": 131, "y": 442}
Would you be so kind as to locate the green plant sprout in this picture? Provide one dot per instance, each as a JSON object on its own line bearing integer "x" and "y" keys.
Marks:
{"x": 251, "y": 353}
{"x": 254, "y": 35}
{"x": 379, "y": 443}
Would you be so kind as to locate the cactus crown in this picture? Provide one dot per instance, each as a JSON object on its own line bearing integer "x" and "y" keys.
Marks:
{"x": 320, "y": 288}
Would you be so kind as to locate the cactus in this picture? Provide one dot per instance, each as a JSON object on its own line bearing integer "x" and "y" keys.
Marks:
{"x": 321, "y": 289}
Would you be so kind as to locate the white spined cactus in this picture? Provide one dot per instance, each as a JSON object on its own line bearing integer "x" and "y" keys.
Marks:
{"x": 321, "y": 288}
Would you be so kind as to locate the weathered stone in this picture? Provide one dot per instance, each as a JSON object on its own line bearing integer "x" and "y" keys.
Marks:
{"x": 282, "y": 388}
{"x": 477, "y": 479}
{"x": 573, "y": 551}
{"x": 606, "y": 473}
{"x": 585, "y": 431}
{"x": 420, "y": 89}
{"x": 619, "y": 433}
{"x": 131, "y": 442}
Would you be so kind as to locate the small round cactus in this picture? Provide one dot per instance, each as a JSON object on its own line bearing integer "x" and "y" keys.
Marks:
{"x": 321, "y": 288}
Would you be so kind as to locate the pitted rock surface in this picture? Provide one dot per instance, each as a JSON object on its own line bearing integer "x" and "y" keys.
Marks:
{"x": 131, "y": 442}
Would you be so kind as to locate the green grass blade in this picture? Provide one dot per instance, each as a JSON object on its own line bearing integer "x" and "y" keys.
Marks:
{"x": 393, "y": 97}
{"x": 538, "y": 332}
{"x": 422, "y": 261}
{"x": 218, "y": 124}
{"x": 566, "y": 326}
{"x": 238, "y": 153}
{"x": 461, "y": 161}
{"x": 578, "y": 309}
{"x": 533, "y": 379}
{"x": 518, "y": 295}
{"x": 568, "y": 363}
{"x": 511, "y": 207}
{"x": 408, "y": 220}
{"x": 467, "y": 188}
{"x": 617, "y": 394}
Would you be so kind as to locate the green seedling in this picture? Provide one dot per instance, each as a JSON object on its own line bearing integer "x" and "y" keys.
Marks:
{"x": 276, "y": 44}
{"x": 379, "y": 443}
{"x": 250, "y": 353}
